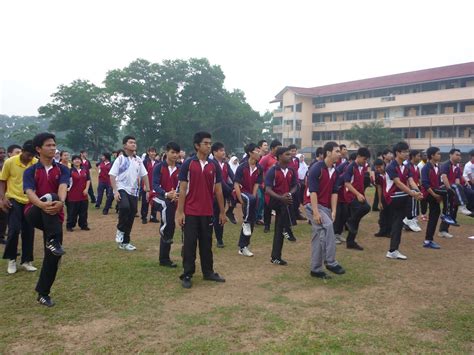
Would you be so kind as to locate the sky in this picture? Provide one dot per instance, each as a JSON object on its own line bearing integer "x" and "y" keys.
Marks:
{"x": 262, "y": 46}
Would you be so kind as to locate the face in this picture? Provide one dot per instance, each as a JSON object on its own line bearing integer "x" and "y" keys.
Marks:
{"x": 84, "y": 155}
{"x": 152, "y": 154}
{"x": 130, "y": 145}
{"x": 388, "y": 156}
{"x": 344, "y": 152}
{"x": 275, "y": 149}
{"x": 379, "y": 169}
{"x": 285, "y": 158}
{"x": 417, "y": 158}
{"x": 335, "y": 155}
{"x": 361, "y": 161}
{"x": 77, "y": 162}
{"x": 255, "y": 155}
{"x": 48, "y": 149}
{"x": 2, "y": 154}
{"x": 182, "y": 154}
{"x": 219, "y": 154}
{"x": 456, "y": 157}
{"x": 172, "y": 155}
{"x": 15, "y": 152}
{"x": 437, "y": 156}
{"x": 264, "y": 148}
{"x": 65, "y": 156}
{"x": 204, "y": 147}
{"x": 404, "y": 154}
{"x": 27, "y": 156}
{"x": 293, "y": 152}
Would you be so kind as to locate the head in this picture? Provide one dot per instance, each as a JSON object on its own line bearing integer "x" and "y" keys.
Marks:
{"x": 379, "y": 166}
{"x": 274, "y": 145}
{"x": 2, "y": 153}
{"x": 182, "y": 154}
{"x": 283, "y": 155}
{"x": 218, "y": 151}
{"x": 252, "y": 151}
{"x": 45, "y": 145}
{"x": 352, "y": 157}
{"x": 363, "y": 154}
{"x": 83, "y": 154}
{"x": 129, "y": 144}
{"x": 319, "y": 153}
{"x": 172, "y": 152}
{"x": 293, "y": 150}
{"x": 13, "y": 150}
{"x": 76, "y": 161}
{"x": 331, "y": 151}
{"x": 202, "y": 142}
{"x": 343, "y": 149}
{"x": 401, "y": 150}
{"x": 433, "y": 154}
{"x": 106, "y": 156}
{"x": 28, "y": 151}
{"x": 415, "y": 156}
{"x": 263, "y": 147}
{"x": 64, "y": 156}
{"x": 152, "y": 153}
{"x": 455, "y": 156}
{"x": 387, "y": 155}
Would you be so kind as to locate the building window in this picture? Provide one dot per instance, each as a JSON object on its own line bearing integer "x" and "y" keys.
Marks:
{"x": 429, "y": 86}
{"x": 317, "y": 118}
{"x": 467, "y": 106}
{"x": 365, "y": 115}
{"x": 351, "y": 116}
{"x": 317, "y": 136}
{"x": 289, "y": 108}
{"x": 277, "y": 121}
{"x": 298, "y": 125}
{"x": 449, "y": 108}
{"x": 411, "y": 111}
{"x": 289, "y": 123}
{"x": 429, "y": 110}
{"x": 299, "y": 107}
{"x": 298, "y": 143}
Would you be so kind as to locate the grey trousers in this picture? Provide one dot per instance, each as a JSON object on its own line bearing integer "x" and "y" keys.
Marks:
{"x": 323, "y": 241}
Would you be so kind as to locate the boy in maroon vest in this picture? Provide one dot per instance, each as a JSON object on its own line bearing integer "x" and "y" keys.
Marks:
{"x": 77, "y": 201}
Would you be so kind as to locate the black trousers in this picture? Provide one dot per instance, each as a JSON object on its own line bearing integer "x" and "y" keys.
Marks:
{"x": 342, "y": 214}
{"x": 413, "y": 208}
{"x": 218, "y": 228}
{"x": 17, "y": 223}
{"x": 127, "y": 207}
{"x": 385, "y": 219}
{"x": 249, "y": 215}
{"x": 77, "y": 211}
{"x": 3, "y": 224}
{"x": 91, "y": 193}
{"x": 282, "y": 224}
{"x": 197, "y": 229}
{"x": 168, "y": 226}
{"x": 397, "y": 209}
{"x": 375, "y": 204}
{"x": 295, "y": 207}
{"x": 267, "y": 215}
{"x": 146, "y": 206}
{"x": 52, "y": 229}
{"x": 424, "y": 206}
{"x": 357, "y": 211}
{"x": 109, "y": 196}
{"x": 435, "y": 211}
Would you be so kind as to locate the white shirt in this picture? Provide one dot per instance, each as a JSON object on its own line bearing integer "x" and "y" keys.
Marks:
{"x": 128, "y": 172}
{"x": 468, "y": 170}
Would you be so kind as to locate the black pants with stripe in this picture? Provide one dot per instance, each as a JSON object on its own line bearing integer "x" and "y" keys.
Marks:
{"x": 357, "y": 211}
{"x": 397, "y": 208}
{"x": 17, "y": 223}
{"x": 342, "y": 214}
{"x": 127, "y": 207}
{"x": 167, "y": 227}
{"x": 146, "y": 206}
{"x": 282, "y": 225}
{"x": 435, "y": 211}
{"x": 249, "y": 215}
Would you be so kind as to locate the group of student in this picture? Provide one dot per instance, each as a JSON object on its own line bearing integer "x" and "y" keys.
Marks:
{"x": 193, "y": 192}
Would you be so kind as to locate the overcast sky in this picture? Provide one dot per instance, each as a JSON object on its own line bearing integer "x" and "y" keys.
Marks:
{"x": 261, "y": 46}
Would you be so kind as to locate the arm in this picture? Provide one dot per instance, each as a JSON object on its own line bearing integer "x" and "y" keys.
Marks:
{"x": 238, "y": 193}
{"x": 220, "y": 201}
{"x": 5, "y": 204}
{"x": 255, "y": 189}
{"x": 314, "y": 206}
{"x": 406, "y": 189}
{"x": 357, "y": 194}
{"x": 113, "y": 182}
{"x": 333, "y": 206}
{"x": 183, "y": 185}
{"x": 379, "y": 192}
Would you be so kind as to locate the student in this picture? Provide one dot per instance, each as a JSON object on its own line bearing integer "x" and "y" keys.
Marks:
{"x": 355, "y": 195}
{"x": 150, "y": 162}
{"x": 64, "y": 159}
{"x": 77, "y": 201}
{"x": 125, "y": 175}
{"x": 45, "y": 184}
{"x": 13, "y": 202}
{"x": 399, "y": 186}
{"x": 218, "y": 152}
{"x": 410, "y": 221}
{"x": 266, "y": 163}
{"x": 387, "y": 157}
{"x": 263, "y": 148}
{"x": 468, "y": 173}
{"x": 423, "y": 203}
{"x": 319, "y": 155}
{"x": 13, "y": 150}
{"x": 433, "y": 195}
{"x": 3, "y": 215}
{"x": 248, "y": 178}
{"x": 86, "y": 164}
{"x": 295, "y": 165}
{"x": 320, "y": 205}
{"x": 280, "y": 186}
{"x": 384, "y": 220}
{"x": 165, "y": 187}
{"x": 201, "y": 179}
{"x": 342, "y": 209}
{"x": 104, "y": 184}
{"x": 344, "y": 154}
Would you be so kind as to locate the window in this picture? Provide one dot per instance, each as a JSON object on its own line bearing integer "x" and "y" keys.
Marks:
{"x": 299, "y": 107}
{"x": 448, "y": 108}
{"x": 381, "y": 114}
{"x": 277, "y": 121}
{"x": 351, "y": 116}
{"x": 298, "y": 143}
{"x": 289, "y": 108}
{"x": 287, "y": 141}
{"x": 429, "y": 109}
{"x": 298, "y": 125}
{"x": 317, "y": 136}
{"x": 317, "y": 118}
{"x": 429, "y": 86}
{"x": 411, "y": 111}
{"x": 289, "y": 124}
{"x": 467, "y": 106}
{"x": 365, "y": 115}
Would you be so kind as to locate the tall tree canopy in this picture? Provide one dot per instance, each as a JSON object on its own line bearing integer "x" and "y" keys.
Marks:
{"x": 373, "y": 135}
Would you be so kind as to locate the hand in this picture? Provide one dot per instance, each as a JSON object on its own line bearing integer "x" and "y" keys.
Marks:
{"x": 117, "y": 196}
{"x": 438, "y": 198}
{"x": 360, "y": 198}
{"x": 147, "y": 196}
{"x": 180, "y": 218}
{"x": 333, "y": 215}
{"x": 171, "y": 195}
{"x": 380, "y": 206}
{"x": 222, "y": 219}
{"x": 287, "y": 199}
{"x": 54, "y": 207}
{"x": 84, "y": 192}
{"x": 5, "y": 204}
{"x": 418, "y": 196}
{"x": 317, "y": 217}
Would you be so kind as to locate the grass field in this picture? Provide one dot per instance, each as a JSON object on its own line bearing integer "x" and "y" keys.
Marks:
{"x": 110, "y": 300}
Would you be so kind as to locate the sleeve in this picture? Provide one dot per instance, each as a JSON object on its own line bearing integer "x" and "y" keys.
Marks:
{"x": 337, "y": 184}
{"x": 29, "y": 179}
{"x": 444, "y": 168}
{"x": 157, "y": 180}
{"x": 313, "y": 178}
{"x": 466, "y": 173}
{"x": 260, "y": 175}
{"x": 65, "y": 175}
{"x": 425, "y": 176}
{"x": 5, "y": 174}
{"x": 114, "y": 170}
{"x": 239, "y": 174}
{"x": 349, "y": 173}
{"x": 88, "y": 178}
{"x": 270, "y": 177}
{"x": 391, "y": 171}
{"x": 143, "y": 171}
{"x": 218, "y": 172}
{"x": 230, "y": 173}
{"x": 184, "y": 170}
{"x": 410, "y": 170}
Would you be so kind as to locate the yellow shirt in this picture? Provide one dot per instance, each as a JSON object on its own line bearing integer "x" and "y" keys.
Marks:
{"x": 12, "y": 173}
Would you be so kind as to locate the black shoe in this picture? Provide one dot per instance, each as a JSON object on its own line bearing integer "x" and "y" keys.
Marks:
{"x": 338, "y": 269}
{"x": 85, "y": 228}
{"x": 320, "y": 275}
{"x": 375, "y": 209}
{"x": 55, "y": 247}
{"x": 45, "y": 301}
{"x": 277, "y": 261}
{"x": 351, "y": 228}
{"x": 231, "y": 217}
{"x": 154, "y": 220}
{"x": 354, "y": 246}
{"x": 144, "y": 221}
{"x": 379, "y": 235}
{"x": 169, "y": 264}
{"x": 186, "y": 282}
{"x": 220, "y": 244}
{"x": 214, "y": 277}
{"x": 289, "y": 237}
{"x": 97, "y": 207}
{"x": 105, "y": 212}
{"x": 266, "y": 229}
{"x": 69, "y": 229}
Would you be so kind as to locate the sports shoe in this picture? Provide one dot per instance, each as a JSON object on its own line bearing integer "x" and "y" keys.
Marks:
{"x": 430, "y": 244}
{"x": 28, "y": 266}
{"x": 340, "y": 238}
{"x": 338, "y": 269}
{"x": 320, "y": 275}
{"x": 186, "y": 282}
{"x": 231, "y": 217}
{"x": 266, "y": 229}
{"x": 277, "y": 261}
{"x": 214, "y": 277}
{"x": 69, "y": 229}
{"x": 154, "y": 220}
{"x": 396, "y": 255}
{"x": 289, "y": 237}
{"x": 354, "y": 246}
{"x": 45, "y": 301}
{"x": 411, "y": 223}
{"x": 55, "y": 247}
{"x": 127, "y": 247}
{"x": 144, "y": 221}
{"x": 85, "y": 228}
{"x": 169, "y": 264}
{"x": 105, "y": 212}
{"x": 119, "y": 236}
{"x": 463, "y": 209}
{"x": 11, "y": 266}
{"x": 245, "y": 251}
{"x": 449, "y": 220}
{"x": 337, "y": 241}
{"x": 220, "y": 244}
{"x": 246, "y": 229}
{"x": 445, "y": 235}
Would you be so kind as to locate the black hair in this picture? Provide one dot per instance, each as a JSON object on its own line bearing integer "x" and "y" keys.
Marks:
{"x": 431, "y": 151}
{"x": 83, "y": 151}
{"x": 28, "y": 147}
{"x": 62, "y": 152}
{"x": 199, "y": 136}
{"x": 319, "y": 151}
{"x": 260, "y": 143}
{"x": 454, "y": 150}
{"x": 75, "y": 156}
{"x": 280, "y": 151}
{"x": 378, "y": 162}
{"x": 2, "y": 148}
{"x": 249, "y": 148}
{"x": 329, "y": 147}
{"x": 414, "y": 153}
{"x": 12, "y": 147}
{"x": 40, "y": 138}
{"x": 106, "y": 156}
{"x": 292, "y": 146}
{"x": 400, "y": 146}
{"x": 151, "y": 149}
{"x": 127, "y": 138}
{"x": 353, "y": 156}
{"x": 363, "y": 152}
{"x": 173, "y": 146}
{"x": 216, "y": 146}
{"x": 379, "y": 154}
{"x": 386, "y": 151}
{"x": 275, "y": 143}
{"x": 342, "y": 146}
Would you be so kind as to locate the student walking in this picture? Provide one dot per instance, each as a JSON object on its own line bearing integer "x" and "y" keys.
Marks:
{"x": 77, "y": 201}
{"x": 104, "y": 185}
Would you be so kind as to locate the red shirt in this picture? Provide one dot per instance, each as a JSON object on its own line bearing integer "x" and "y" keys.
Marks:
{"x": 104, "y": 169}
{"x": 267, "y": 162}
{"x": 322, "y": 181}
{"x": 77, "y": 185}
{"x": 280, "y": 180}
{"x": 355, "y": 175}
{"x": 163, "y": 180}
{"x": 294, "y": 164}
{"x": 248, "y": 179}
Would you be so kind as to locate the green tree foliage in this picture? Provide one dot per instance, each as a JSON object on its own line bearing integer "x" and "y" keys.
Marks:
{"x": 18, "y": 129}
{"x": 373, "y": 135}
{"x": 84, "y": 112}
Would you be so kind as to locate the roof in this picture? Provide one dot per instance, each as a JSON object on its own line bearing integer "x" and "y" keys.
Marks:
{"x": 414, "y": 77}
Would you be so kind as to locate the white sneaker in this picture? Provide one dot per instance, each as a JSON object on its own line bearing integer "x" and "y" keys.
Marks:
{"x": 246, "y": 229}
{"x": 471, "y": 237}
{"x": 28, "y": 266}
{"x": 127, "y": 246}
{"x": 340, "y": 238}
{"x": 245, "y": 252}
{"x": 412, "y": 224}
{"x": 119, "y": 236}
{"x": 445, "y": 235}
{"x": 463, "y": 209}
{"x": 396, "y": 255}
{"x": 11, "y": 266}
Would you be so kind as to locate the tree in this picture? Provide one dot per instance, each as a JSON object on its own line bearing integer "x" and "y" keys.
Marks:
{"x": 18, "y": 129}
{"x": 84, "y": 112}
{"x": 373, "y": 135}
